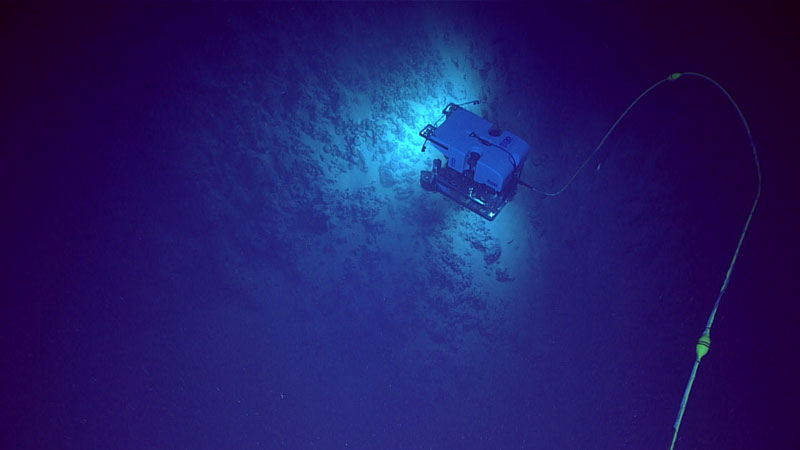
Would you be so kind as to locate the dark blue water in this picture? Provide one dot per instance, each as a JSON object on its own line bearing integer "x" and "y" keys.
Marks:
{"x": 215, "y": 237}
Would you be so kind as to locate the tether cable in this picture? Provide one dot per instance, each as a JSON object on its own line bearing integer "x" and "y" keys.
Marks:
{"x": 704, "y": 342}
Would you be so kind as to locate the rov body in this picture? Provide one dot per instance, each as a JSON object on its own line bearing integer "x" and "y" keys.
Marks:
{"x": 483, "y": 163}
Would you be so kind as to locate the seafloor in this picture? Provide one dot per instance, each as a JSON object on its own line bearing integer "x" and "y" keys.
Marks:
{"x": 219, "y": 239}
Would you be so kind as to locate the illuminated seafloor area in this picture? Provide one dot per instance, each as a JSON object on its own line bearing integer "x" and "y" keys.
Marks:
{"x": 219, "y": 238}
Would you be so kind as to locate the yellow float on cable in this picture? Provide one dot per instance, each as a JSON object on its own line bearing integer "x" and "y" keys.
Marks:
{"x": 703, "y": 345}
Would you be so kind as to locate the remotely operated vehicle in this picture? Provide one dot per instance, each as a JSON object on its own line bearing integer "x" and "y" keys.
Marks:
{"x": 483, "y": 162}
